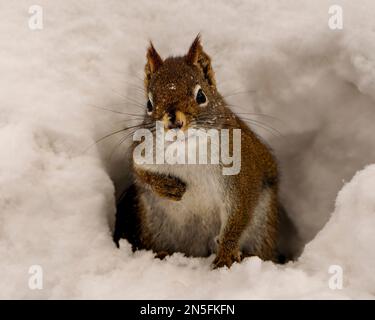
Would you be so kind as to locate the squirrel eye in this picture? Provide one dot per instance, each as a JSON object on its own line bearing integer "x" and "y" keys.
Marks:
{"x": 200, "y": 97}
{"x": 150, "y": 104}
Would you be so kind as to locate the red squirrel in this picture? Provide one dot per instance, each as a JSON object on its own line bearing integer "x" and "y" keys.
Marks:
{"x": 195, "y": 209}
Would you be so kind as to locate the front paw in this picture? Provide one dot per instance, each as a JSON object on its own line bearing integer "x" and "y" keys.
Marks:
{"x": 161, "y": 255}
{"x": 173, "y": 190}
{"x": 226, "y": 258}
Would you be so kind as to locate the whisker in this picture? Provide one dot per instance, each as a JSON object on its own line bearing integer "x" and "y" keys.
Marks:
{"x": 101, "y": 139}
{"x": 263, "y": 124}
{"x": 139, "y": 126}
{"x": 127, "y": 136}
{"x": 121, "y": 141}
{"x": 130, "y": 75}
{"x": 226, "y": 114}
{"x": 257, "y": 114}
{"x": 115, "y": 111}
{"x": 114, "y": 149}
{"x": 134, "y": 86}
{"x": 246, "y": 120}
{"x": 229, "y": 126}
{"x": 128, "y": 120}
{"x": 127, "y": 98}
{"x": 271, "y": 130}
{"x": 245, "y": 113}
{"x": 238, "y": 93}
{"x": 141, "y": 107}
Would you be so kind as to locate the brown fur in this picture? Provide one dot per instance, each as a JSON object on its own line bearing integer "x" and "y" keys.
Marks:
{"x": 258, "y": 171}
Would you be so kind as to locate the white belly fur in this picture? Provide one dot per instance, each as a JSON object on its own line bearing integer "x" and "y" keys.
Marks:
{"x": 193, "y": 224}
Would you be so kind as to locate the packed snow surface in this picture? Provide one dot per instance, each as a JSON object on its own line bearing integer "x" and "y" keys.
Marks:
{"x": 277, "y": 58}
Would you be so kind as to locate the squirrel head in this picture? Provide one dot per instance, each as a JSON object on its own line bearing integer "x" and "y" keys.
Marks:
{"x": 180, "y": 90}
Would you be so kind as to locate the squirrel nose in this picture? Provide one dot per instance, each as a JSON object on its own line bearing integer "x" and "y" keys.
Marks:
{"x": 174, "y": 120}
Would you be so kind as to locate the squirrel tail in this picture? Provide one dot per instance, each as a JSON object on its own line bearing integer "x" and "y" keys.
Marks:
{"x": 289, "y": 243}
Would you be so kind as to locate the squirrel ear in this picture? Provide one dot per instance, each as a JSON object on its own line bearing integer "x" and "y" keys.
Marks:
{"x": 154, "y": 62}
{"x": 196, "y": 56}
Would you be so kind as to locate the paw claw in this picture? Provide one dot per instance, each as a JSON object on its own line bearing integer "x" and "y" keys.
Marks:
{"x": 226, "y": 260}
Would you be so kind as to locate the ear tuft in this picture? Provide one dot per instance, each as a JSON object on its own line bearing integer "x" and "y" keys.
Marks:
{"x": 196, "y": 56}
{"x": 195, "y": 50}
{"x": 154, "y": 62}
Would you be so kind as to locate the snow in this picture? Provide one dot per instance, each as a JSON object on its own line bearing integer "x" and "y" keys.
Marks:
{"x": 57, "y": 188}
